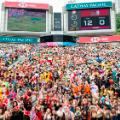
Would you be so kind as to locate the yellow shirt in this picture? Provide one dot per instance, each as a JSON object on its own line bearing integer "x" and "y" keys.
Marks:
{"x": 42, "y": 77}
{"x": 47, "y": 76}
{"x": 0, "y": 92}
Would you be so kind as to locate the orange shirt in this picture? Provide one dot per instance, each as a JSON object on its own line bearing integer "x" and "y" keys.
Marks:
{"x": 80, "y": 87}
{"x": 74, "y": 88}
{"x": 87, "y": 89}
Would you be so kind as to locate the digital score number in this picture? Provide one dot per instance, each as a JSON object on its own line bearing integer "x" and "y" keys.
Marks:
{"x": 95, "y": 19}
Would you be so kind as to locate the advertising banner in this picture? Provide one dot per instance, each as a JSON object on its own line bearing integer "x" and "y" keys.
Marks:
{"x": 26, "y": 5}
{"x": 53, "y": 44}
{"x": 102, "y": 39}
{"x": 107, "y": 4}
{"x": 23, "y": 40}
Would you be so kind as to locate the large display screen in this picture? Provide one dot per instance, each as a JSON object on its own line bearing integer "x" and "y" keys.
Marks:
{"x": 90, "y": 19}
{"x": 32, "y": 20}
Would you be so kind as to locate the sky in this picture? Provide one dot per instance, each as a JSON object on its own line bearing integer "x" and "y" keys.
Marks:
{"x": 57, "y": 4}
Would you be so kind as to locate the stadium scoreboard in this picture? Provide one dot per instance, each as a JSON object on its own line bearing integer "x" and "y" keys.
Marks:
{"x": 89, "y": 18}
{"x": 26, "y": 18}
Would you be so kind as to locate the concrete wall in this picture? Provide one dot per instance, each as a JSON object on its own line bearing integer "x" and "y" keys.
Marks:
{"x": 117, "y": 6}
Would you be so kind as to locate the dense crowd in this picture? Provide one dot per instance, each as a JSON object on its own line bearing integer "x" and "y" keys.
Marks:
{"x": 60, "y": 83}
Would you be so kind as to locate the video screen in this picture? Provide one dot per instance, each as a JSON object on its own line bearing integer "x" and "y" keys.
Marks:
{"x": 32, "y": 20}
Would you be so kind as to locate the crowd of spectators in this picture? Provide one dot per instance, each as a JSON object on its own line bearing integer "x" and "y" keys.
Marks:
{"x": 60, "y": 83}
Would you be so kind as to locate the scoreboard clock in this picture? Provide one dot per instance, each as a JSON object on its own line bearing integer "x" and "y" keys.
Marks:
{"x": 74, "y": 20}
{"x": 89, "y": 17}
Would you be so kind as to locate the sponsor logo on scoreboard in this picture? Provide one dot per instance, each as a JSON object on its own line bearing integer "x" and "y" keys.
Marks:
{"x": 89, "y": 5}
{"x": 22, "y": 5}
{"x": 26, "y": 5}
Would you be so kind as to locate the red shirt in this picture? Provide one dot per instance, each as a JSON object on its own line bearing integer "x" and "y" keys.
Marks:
{"x": 39, "y": 114}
